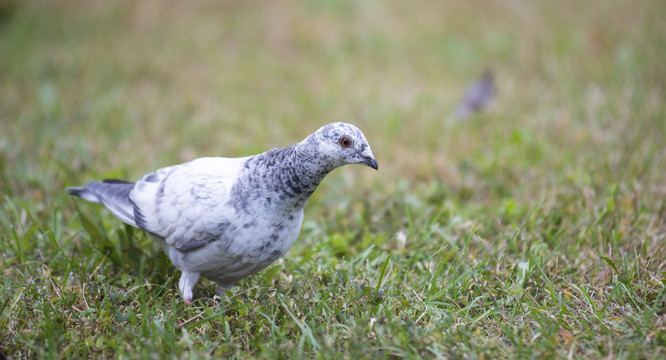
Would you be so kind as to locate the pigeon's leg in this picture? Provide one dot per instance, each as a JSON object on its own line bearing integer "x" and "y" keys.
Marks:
{"x": 186, "y": 285}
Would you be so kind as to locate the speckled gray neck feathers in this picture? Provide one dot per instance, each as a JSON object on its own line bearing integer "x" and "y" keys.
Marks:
{"x": 280, "y": 179}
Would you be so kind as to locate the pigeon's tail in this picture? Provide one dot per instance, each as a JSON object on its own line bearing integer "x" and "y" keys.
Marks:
{"x": 114, "y": 194}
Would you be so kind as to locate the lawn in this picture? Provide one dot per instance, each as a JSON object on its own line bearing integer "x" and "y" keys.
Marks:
{"x": 533, "y": 229}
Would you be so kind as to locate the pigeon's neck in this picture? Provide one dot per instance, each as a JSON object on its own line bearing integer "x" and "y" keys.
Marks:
{"x": 285, "y": 178}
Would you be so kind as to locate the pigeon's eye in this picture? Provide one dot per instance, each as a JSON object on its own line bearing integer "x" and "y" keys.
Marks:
{"x": 345, "y": 142}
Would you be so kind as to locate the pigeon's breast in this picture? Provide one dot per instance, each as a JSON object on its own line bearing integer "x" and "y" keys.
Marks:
{"x": 261, "y": 236}
{"x": 245, "y": 249}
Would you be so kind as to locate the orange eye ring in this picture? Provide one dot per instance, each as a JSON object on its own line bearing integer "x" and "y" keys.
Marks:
{"x": 345, "y": 142}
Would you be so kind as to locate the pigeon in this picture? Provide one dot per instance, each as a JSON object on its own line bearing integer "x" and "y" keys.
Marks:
{"x": 228, "y": 218}
{"x": 478, "y": 96}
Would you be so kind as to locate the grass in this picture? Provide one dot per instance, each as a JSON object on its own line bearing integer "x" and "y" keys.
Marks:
{"x": 533, "y": 230}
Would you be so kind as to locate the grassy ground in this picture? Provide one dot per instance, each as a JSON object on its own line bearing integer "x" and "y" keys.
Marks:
{"x": 536, "y": 229}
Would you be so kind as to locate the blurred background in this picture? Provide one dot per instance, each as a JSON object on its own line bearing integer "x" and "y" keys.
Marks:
{"x": 120, "y": 88}
{"x": 505, "y": 130}
{"x": 117, "y": 89}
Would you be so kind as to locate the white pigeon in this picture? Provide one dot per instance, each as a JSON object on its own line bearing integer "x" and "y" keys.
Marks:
{"x": 227, "y": 218}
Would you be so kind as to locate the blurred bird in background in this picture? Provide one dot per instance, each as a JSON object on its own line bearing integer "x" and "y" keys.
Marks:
{"x": 479, "y": 95}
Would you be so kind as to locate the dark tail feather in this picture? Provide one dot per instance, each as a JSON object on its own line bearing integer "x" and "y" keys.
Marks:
{"x": 114, "y": 194}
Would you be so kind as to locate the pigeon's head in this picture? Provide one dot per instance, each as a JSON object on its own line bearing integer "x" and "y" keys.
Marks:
{"x": 341, "y": 143}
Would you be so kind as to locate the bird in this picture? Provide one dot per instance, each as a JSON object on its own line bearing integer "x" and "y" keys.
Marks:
{"x": 227, "y": 218}
{"x": 477, "y": 97}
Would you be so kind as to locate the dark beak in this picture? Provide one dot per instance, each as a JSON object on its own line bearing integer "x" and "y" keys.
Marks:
{"x": 370, "y": 162}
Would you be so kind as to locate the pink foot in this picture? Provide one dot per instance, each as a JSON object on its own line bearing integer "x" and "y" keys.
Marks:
{"x": 189, "y": 301}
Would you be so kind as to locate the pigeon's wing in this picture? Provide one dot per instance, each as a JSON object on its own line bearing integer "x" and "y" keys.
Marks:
{"x": 187, "y": 205}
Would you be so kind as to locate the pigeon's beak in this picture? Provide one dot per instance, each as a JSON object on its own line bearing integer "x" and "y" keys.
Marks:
{"x": 369, "y": 159}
